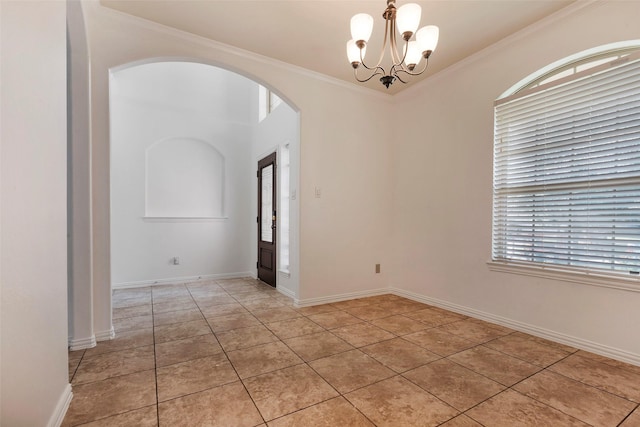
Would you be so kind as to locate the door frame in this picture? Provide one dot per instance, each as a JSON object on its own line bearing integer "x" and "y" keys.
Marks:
{"x": 269, "y": 277}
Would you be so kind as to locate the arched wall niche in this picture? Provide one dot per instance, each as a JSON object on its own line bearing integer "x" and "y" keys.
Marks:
{"x": 184, "y": 178}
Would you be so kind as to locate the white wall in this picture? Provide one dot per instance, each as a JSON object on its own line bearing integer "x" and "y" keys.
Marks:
{"x": 443, "y": 191}
{"x": 202, "y": 111}
{"x": 80, "y": 289}
{"x": 33, "y": 261}
{"x": 390, "y": 190}
{"x": 279, "y": 128}
{"x": 343, "y": 149}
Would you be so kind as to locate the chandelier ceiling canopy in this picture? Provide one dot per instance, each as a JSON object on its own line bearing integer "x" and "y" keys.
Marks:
{"x": 405, "y": 63}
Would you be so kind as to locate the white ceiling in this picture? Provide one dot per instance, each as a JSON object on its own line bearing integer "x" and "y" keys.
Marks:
{"x": 313, "y": 33}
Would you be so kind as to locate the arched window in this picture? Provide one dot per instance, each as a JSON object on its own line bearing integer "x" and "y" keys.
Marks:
{"x": 566, "y": 186}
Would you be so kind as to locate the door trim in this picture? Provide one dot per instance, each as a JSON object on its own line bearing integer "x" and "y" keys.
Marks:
{"x": 267, "y": 265}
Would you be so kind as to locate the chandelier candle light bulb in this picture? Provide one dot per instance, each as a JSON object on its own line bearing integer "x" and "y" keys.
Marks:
{"x": 406, "y": 20}
{"x": 353, "y": 52}
{"x": 427, "y": 38}
{"x": 361, "y": 27}
{"x": 413, "y": 55}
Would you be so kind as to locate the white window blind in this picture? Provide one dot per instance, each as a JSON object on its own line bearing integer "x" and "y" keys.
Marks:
{"x": 567, "y": 171}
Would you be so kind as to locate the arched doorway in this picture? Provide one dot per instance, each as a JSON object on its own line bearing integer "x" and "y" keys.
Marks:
{"x": 181, "y": 102}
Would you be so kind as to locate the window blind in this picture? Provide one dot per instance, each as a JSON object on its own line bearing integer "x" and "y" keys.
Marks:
{"x": 567, "y": 171}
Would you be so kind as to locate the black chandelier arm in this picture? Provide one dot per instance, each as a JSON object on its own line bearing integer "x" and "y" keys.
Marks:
{"x": 395, "y": 58}
{"x": 411, "y": 73}
{"x": 375, "y": 68}
{"x": 387, "y": 24}
{"x": 398, "y": 69}
{"x": 395, "y": 74}
{"x": 379, "y": 70}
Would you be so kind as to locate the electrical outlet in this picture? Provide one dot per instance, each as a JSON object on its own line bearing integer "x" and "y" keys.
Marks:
{"x": 377, "y": 268}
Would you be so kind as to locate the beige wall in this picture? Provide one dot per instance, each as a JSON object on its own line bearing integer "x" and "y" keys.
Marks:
{"x": 443, "y": 191}
{"x": 344, "y": 151}
{"x": 80, "y": 292}
{"x": 33, "y": 262}
{"x": 415, "y": 198}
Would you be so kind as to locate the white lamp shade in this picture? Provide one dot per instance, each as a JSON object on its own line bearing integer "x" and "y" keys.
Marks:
{"x": 413, "y": 53}
{"x": 427, "y": 38}
{"x": 353, "y": 51}
{"x": 408, "y": 17}
{"x": 361, "y": 27}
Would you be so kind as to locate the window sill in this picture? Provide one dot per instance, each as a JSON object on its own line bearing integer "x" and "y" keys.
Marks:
{"x": 613, "y": 280}
{"x": 184, "y": 218}
{"x": 285, "y": 273}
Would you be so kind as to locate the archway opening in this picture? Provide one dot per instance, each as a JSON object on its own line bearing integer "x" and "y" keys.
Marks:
{"x": 184, "y": 141}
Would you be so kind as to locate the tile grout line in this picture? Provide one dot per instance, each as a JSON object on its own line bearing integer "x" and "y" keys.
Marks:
{"x": 343, "y": 395}
{"x": 75, "y": 371}
{"x": 229, "y": 360}
{"x": 279, "y": 340}
{"x": 637, "y": 408}
{"x": 541, "y": 368}
{"x": 368, "y": 322}
{"x": 155, "y": 362}
{"x": 340, "y": 395}
{"x": 304, "y": 362}
{"x": 511, "y": 388}
{"x": 599, "y": 388}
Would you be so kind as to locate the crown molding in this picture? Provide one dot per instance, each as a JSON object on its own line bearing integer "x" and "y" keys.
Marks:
{"x": 234, "y": 51}
{"x": 498, "y": 46}
{"x": 400, "y": 96}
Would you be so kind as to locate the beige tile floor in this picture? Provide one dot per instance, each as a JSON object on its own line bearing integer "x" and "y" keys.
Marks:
{"x": 237, "y": 353}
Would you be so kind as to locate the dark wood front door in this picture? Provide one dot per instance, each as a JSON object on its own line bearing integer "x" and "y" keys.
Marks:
{"x": 267, "y": 219}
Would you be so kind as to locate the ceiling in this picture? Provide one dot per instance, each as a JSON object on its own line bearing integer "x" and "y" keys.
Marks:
{"x": 313, "y": 33}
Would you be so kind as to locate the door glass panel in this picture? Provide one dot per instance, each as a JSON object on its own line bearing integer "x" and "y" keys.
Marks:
{"x": 267, "y": 204}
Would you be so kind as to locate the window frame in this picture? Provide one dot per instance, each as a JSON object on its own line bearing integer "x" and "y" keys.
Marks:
{"x": 268, "y": 101}
{"x": 584, "y": 275}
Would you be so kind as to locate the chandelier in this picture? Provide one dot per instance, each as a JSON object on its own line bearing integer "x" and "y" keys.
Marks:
{"x": 405, "y": 19}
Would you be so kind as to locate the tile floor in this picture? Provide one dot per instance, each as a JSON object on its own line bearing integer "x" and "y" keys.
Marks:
{"x": 237, "y": 353}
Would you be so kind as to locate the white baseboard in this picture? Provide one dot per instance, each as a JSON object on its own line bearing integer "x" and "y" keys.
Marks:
{"x": 580, "y": 343}
{"x": 61, "y": 407}
{"x": 106, "y": 335}
{"x": 286, "y": 292}
{"x": 178, "y": 280}
{"x": 340, "y": 297}
{"x": 82, "y": 343}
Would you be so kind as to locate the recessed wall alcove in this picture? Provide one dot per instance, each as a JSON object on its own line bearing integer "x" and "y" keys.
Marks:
{"x": 184, "y": 178}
